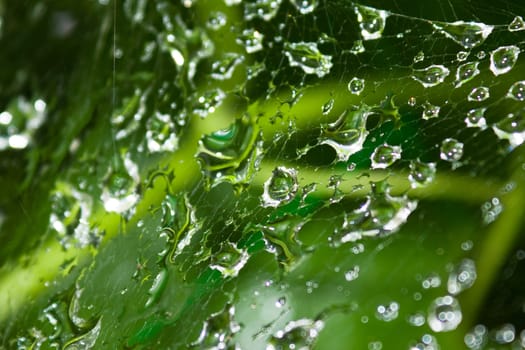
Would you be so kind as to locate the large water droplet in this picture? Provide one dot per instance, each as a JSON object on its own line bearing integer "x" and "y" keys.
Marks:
{"x": 444, "y": 314}
{"x": 479, "y": 94}
{"x": 265, "y": 9}
{"x": 348, "y": 133}
{"x": 251, "y": 40}
{"x": 223, "y": 69}
{"x": 381, "y": 213}
{"x": 462, "y": 277}
{"x": 451, "y": 150}
{"x": 384, "y": 156}
{"x": 371, "y": 21}
{"x": 232, "y": 154}
{"x": 466, "y": 72}
{"x": 229, "y": 260}
{"x": 356, "y": 85}
{"x": 300, "y": 334}
{"x": 517, "y": 24}
{"x": 430, "y": 76}
{"x": 161, "y": 134}
{"x": 511, "y": 128}
{"x": 476, "y": 118}
{"x": 421, "y": 174}
{"x": 430, "y": 111}
{"x": 388, "y": 312}
{"x": 305, "y": 6}
{"x": 86, "y": 341}
{"x": 120, "y": 191}
{"x": 280, "y": 188}
{"x": 357, "y": 47}
{"x": 307, "y": 56}
{"x": 218, "y": 331}
{"x": 517, "y": 91}
{"x": 503, "y": 59}
{"x": 466, "y": 34}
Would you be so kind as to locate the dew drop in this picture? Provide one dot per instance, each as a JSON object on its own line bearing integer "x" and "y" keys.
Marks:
{"x": 264, "y": 9}
{"x": 218, "y": 331}
{"x": 305, "y": 6}
{"x": 476, "y": 118}
{"x": 430, "y": 111}
{"x": 357, "y": 47}
{"x": 352, "y": 274}
{"x": 427, "y": 342}
{"x": 307, "y": 56}
{"x": 421, "y": 174}
{"x": 419, "y": 57}
{"x": 477, "y": 338}
{"x": 300, "y": 334}
{"x": 161, "y": 134}
{"x": 502, "y": 59}
{"x": 251, "y": 40}
{"x": 356, "y": 85}
{"x": 466, "y": 34}
{"x": 388, "y": 312}
{"x": 371, "y": 21}
{"x": 120, "y": 191}
{"x": 466, "y": 72}
{"x": 517, "y": 24}
{"x": 384, "y": 156}
{"x": 86, "y": 340}
{"x": 511, "y": 128}
{"x": 327, "y": 107}
{"x": 207, "y": 102}
{"x": 431, "y": 76}
{"x": 412, "y": 101}
{"x": 216, "y": 21}
{"x": 229, "y": 260}
{"x": 479, "y": 94}
{"x": 444, "y": 314}
{"x": 462, "y": 56}
{"x": 431, "y": 281}
{"x": 223, "y": 69}
{"x": 280, "y": 188}
{"x": 348, "y": 133}
{"x": 462, "y": 277}
{"x": 505, "y": 334}
{"x": 451, "y": 150}
{"x": 417, "y": 319}
{"x": 517, "y": 91}
{"x": 490, "y": 210}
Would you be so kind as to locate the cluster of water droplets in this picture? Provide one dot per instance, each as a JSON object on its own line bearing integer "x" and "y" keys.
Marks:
{"x": 19, "y": 123}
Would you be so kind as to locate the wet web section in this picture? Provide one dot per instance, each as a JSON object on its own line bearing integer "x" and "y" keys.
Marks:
{"x": 291, "y": 174}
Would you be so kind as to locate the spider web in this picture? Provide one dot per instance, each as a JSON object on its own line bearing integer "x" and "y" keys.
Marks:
{"x": 292, "y": 174}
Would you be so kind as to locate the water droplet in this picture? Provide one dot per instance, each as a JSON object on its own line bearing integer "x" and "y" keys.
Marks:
{"x": 265, "y": 9}
{"x": 384, "y": 156}
{"x": 229, "y": 260}
{"x": 223, "y": 69}
{"x": 120, "y": 191}
{"x": 300, "y": 334}
{"x": 348, "y": 133}
{"x": 216, "y": 21}
{"x": 327, "y": 107}
{"x": 477, "y": 338}
{"x": 479, "y": 94}
{"x": 503, "y": 59}
{"x": 157, "y": 287}
{"x": 462, "y": 56}
{"x": 517, "y": 24}
{"x": 462, "y": 277}
{"x": 381, "y": 213}
{"x": 357, "y": 47}
{"x": 451, "y": 150}
{"x": 431, "y": 281}
{"x": 444, "y": 314}
{"x": 419, "y": 57}
{"x": 490, "y": 210}
{"x": 280, "y": 188}
{"x": 421, "y": 174}
{"x": 86, "y": 340}
{"x": 371, "y": 21}
{"x": 387, "y": 312}
{"x": 431, "y": 76}
{"x": 218, "y": 331}
{"x": 517, "y": 91}
{"x": 352, "y": 274}
{"x": 417, "y": 319}
{"x": 308, "y": 57}
{"x": 232, "y": 154}
{"x": 305, "y": 6}
{"x": 251, "y": 40}
{"x": 430, "y": 111}
{"x": 427, "y": 342}
{"x": 161, "y": 134}
{"x": 505, "y": 334}
{"x": 356, "y": 85}
{"x": 412, "y": 101}
{"x": 511, "y": 128}
{"x": 476, "y": 118}
{"x": 466, "y": 34}
{"x": 207, "y": 102}
{"x": 466, "y": 72}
